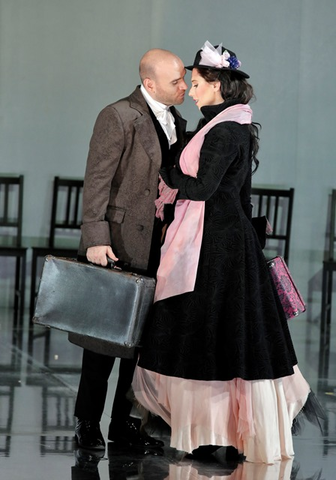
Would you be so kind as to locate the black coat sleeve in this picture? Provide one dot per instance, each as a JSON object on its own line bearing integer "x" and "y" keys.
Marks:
{"x": 219, "y": 150}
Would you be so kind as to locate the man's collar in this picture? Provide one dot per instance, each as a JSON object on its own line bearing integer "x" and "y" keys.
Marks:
{"x": 154, "y": 104}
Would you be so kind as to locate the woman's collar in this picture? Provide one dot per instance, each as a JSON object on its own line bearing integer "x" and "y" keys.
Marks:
{"x": 210, "y": 111}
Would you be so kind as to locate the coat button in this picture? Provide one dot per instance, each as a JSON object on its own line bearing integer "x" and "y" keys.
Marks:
{"x": 147, "y": 192}
{"x": 140, "y": 228}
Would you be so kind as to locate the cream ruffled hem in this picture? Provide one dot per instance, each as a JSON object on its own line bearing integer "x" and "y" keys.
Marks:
{"x": 254, "y": 416}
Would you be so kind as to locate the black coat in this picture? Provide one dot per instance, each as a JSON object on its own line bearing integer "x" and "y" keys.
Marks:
{"x": 232, "y": 324}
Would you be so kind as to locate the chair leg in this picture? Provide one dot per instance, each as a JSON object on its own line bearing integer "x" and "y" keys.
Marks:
{"x": 327, "y": 289}
{"x": 47, "y": 347}
{"x": 32, "y": 302}
{"x": 33, "y": 285}
{"x": 20, "y": 287}
{"x": 17, "y": 284}
{"x": 23, "y": 285}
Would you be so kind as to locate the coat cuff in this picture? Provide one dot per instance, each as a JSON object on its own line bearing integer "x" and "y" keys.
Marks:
{"x": 95, "y": 233}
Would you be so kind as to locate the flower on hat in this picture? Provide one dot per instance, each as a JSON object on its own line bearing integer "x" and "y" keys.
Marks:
{"x": 234, "y": 62}
{"x": 213, "y": 57}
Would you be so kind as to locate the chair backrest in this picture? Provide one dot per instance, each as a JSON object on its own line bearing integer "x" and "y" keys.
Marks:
{"x": 11, "y": 204}
{"x": 332, "y": 226}
{"x": 66, "y": 216}
{"x": 277, "y": 206}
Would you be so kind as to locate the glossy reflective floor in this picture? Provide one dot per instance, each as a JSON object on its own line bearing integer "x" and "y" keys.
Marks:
{"x": 39, "y": 373}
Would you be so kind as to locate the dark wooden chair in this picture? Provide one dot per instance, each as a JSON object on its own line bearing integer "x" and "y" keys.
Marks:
{"x": 328, "y": 269}
{"x": 11, "y": 205}
{"x": 277, "y": 206}
{"x": 64, "y": 232}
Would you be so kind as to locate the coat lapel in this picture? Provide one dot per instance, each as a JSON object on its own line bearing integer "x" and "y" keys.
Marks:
{"x": 181, "y": 125}
{"x": 145, "y": 128}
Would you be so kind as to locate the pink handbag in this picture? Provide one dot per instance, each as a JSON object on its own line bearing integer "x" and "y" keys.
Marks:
{"x": 289, "y": 295}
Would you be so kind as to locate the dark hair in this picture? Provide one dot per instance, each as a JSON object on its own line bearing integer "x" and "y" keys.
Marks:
{"x": 235, "y": 87}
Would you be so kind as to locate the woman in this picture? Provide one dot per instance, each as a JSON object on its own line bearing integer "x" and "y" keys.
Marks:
{"x": 217, "y": 362}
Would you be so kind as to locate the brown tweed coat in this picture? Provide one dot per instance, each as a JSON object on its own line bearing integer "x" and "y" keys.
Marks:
{"x": 121, "y": 180}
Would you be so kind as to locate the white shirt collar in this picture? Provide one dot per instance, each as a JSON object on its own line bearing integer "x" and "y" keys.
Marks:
{"x": 163, "y": 115}
{"x": 154, "y": 104}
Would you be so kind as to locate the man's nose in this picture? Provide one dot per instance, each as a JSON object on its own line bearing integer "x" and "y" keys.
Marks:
{"x": 184, "y": 86}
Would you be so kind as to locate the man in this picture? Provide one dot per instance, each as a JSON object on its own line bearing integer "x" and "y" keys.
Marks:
{"x": 132, "y": 139}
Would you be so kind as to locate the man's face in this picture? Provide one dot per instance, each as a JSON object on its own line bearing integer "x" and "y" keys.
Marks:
{"x": 169, "y": 85}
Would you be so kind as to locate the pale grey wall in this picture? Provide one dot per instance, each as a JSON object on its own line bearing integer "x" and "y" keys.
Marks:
{"x": 61, "y": 61}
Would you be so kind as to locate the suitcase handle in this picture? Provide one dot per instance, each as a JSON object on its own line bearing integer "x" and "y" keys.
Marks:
{"x": 110, "y": 262}
{"x": 113, "y": 264}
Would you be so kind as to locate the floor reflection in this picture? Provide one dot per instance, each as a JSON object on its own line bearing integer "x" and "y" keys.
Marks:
{"x": 121, "y": 467}
{"x": 39, "y": 374}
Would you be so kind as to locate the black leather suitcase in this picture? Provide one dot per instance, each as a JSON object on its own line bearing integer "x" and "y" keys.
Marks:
{"x": 103, "y": 309}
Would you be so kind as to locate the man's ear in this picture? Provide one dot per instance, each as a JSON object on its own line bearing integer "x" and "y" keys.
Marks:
{"x": 149, "y": 85}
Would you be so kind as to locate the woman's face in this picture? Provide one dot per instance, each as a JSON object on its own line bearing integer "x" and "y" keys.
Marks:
{"x": 203, "y": 92}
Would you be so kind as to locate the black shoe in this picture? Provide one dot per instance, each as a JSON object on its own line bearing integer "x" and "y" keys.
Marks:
{"x": 204, "y": 452}
{"x": 88, "y": 435}
{"x": 232, "y": 455}
{"x": 87, "y": 460}
{"x": 131, "y": 435}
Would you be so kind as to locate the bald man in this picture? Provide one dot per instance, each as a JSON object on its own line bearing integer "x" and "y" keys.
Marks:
{"x": 132, "y": 139}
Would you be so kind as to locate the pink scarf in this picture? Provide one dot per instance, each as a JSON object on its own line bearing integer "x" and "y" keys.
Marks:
{"x": 181, "y": 249}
